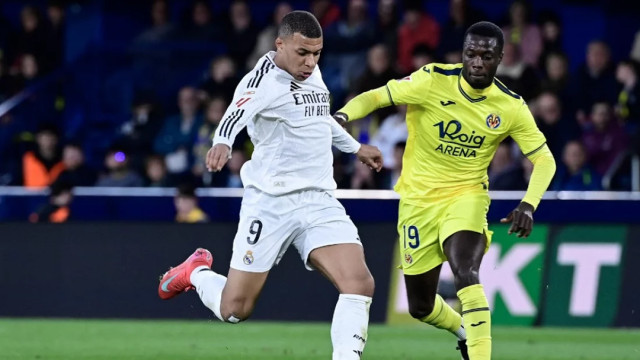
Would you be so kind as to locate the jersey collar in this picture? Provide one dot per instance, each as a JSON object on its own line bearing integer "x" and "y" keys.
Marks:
{"x": 471, "y": 94}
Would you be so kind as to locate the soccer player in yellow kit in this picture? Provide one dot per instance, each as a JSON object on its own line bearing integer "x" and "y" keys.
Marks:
{"x": 457, "y": 115}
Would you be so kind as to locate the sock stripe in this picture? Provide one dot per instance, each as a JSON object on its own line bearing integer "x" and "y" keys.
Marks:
{"x": 476, "y": 309}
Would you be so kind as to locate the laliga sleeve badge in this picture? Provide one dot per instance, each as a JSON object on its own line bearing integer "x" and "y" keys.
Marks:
{"x": 248, "y": 257}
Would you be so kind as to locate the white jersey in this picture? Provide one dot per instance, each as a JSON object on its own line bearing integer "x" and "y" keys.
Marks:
{"x": 291, "y": 127}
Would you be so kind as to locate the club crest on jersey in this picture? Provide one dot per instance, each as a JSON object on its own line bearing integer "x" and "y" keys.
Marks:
{"x": 493, "y": 121}
{"x": 248, "y": 257}
{"x": 408, "y": 258}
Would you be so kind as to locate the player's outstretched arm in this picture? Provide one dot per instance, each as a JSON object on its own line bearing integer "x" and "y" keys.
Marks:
{"x": 370, "y": 156}
{"x": 363, "y": 104}
{"x": 521, "y": 218}
{"x": 217, "y": 157}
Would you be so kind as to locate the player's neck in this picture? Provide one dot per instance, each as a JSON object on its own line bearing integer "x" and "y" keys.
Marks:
{"x": 464, "y": 84}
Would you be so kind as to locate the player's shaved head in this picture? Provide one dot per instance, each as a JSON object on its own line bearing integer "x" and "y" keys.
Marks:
{"x": 487, "y": 29}
{"x": 302, "y": 22}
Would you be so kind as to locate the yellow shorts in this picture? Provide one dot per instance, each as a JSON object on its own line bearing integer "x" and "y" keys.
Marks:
{"x": 424, "y": 225}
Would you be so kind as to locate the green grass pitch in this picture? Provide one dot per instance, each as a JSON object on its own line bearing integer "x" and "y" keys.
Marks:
{"x": 22, "y": 339}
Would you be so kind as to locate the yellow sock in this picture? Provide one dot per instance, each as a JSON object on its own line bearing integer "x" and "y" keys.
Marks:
{"x": 477, "y": 321}
{"x": 444, "y": 317}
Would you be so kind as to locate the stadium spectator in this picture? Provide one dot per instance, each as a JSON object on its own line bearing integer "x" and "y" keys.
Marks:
{"x": 557, "y": 128}
{"x": 635, "y": 47}
{"x": 267, "y": 37}
{"x": 551, "y": 29}
{"x": 241, "y": 34}
{"x": 603, "y": 138}
{"x": 628, "y": 105}
{"x": 517, "y": 75}
{"x": 221, "y": 79}
{"x": 56, "y": 32}
{"x": 417, "y": 27}
{"x": 504, "y": 172}
{"x": 186, "y": 203}
{"x": 461, "y": 16}
{"x": 199, "y": 24}
{"x": 161, "y": 27}
{"x": 595, "y": 80}
{"x": 326, "y": 11}
{"x": 137, "y": 134}
{"x": 522, "y": 32}
{"x": 422, "y": 54}
{"x": 57, "y": 209}
{"x": 156, "y": 172}
{"x": 76, "y": 172}
{"x": 238, "y": 158}
{"x": 214, "y": 111}
{"x": 556, "y": 76}
{"x": 575, "y": 174}
{"x": 118, "y": 173}
{"x": 32, "y": 38}
{"x": 362, "y": 177}
{"x": 42, "y": 166}
{"x": 386, "y": 25}
{"x": 346, "y": 43}
{"x": 392, "y": 131}
{"x": 178, "y": 132}
{"x": 398, "y": 153}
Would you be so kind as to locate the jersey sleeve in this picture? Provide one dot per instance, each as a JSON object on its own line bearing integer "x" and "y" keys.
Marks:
{"x": 411, "y": 89}
{"x": 342, "y": 140}
{"x": 525, "y": 131}
{"x": 249, "y": 99}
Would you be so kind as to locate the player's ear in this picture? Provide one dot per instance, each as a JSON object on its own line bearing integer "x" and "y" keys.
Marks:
{"x": 279, "y": 43}
{"x": 500, "y": 57}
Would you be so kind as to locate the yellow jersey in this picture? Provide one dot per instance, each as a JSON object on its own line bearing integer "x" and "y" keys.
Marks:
{"x": 454, "y": 129}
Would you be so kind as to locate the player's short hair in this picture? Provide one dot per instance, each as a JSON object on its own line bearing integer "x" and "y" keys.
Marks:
{"x": 302, "y": 22}
{"x": 488, "y": 29}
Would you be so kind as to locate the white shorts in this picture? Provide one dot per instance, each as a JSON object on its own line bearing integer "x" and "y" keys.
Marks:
{"x": 309, "y": 219}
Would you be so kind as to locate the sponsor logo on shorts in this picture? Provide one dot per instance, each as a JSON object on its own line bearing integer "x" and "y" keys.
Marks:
{"x": 493, "y": 121}
{"x": 408, "y": 258}
{"x": 248, "y": 257}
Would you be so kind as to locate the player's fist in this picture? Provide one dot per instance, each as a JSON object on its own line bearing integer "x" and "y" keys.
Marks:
{"x": 217, "y": 157}
{"x": 521, "y": 219}
{"x": 370, "y": 156}
{"x": 341, "y": 118}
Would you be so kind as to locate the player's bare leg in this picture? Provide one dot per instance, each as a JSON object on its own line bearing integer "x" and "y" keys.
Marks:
{"x": 465, "y": 250}
{"x": 429, "y": 307}
{"x": 345, "y": 267}
{"x": 231, "y": 299}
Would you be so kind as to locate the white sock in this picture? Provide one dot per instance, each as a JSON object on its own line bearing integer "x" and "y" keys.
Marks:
{"x": 209, "y": 286}
{"x": 349, "y": 326}
{"x": 461, "y": 333}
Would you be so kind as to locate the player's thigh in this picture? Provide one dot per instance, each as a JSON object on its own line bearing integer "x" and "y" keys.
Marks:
{"x": 265, "y": 230}
{"x": 421, "y": 291}
{"x": 467, "y": 213}
{"x": 344, "y": 265}
{"x": 418, "y": 236}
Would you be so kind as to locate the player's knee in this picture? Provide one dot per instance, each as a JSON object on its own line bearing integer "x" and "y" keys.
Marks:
{"x": 421, "y": 309}
{"x": 236, "y": 311}
{"x": 466, "y": 276}
{"x": 362, "y": 284}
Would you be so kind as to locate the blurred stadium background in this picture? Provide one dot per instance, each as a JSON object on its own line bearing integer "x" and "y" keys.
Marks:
{"x": 115, "y": 103}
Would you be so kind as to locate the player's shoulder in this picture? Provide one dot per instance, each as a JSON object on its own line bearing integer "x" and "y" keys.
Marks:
{"x": 261, "y": 76}
{"x": 507, "y": 95}
{"x": 442, "y": 70}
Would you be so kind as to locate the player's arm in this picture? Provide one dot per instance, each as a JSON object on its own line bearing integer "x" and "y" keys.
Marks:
{"x": 369, "y": 155}
{"x": 247, "y": 102}
{"x": 533, "y": 144}
{"x": 408, "y": 90}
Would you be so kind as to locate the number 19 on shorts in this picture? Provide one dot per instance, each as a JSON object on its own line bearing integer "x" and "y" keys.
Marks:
{"x": 410, "y": 236}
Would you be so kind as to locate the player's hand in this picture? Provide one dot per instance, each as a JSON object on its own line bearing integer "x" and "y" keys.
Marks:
{"x": 341, "y": 118}
{"x": 370, "y": 156}
{"x": 217, "y": 157}
{"x": 521, "y": 219}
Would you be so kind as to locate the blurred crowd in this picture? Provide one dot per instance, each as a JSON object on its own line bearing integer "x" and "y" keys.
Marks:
{"x": 590, "y": 117}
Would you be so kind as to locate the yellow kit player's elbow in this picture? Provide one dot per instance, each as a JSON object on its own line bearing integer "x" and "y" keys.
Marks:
{"x": 367, "y": 102}
{"x": 544, "y": 167}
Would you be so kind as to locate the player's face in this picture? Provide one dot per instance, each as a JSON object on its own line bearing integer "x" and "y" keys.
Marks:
{"x": 480, "y": 60}
{"x": 298, "y": 55}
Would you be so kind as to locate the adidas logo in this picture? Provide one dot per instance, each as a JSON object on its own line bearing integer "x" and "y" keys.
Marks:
{"x": 294, "y": 87}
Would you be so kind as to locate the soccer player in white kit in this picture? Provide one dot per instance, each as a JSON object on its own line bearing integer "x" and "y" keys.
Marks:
{"x": 288, "y": 196}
